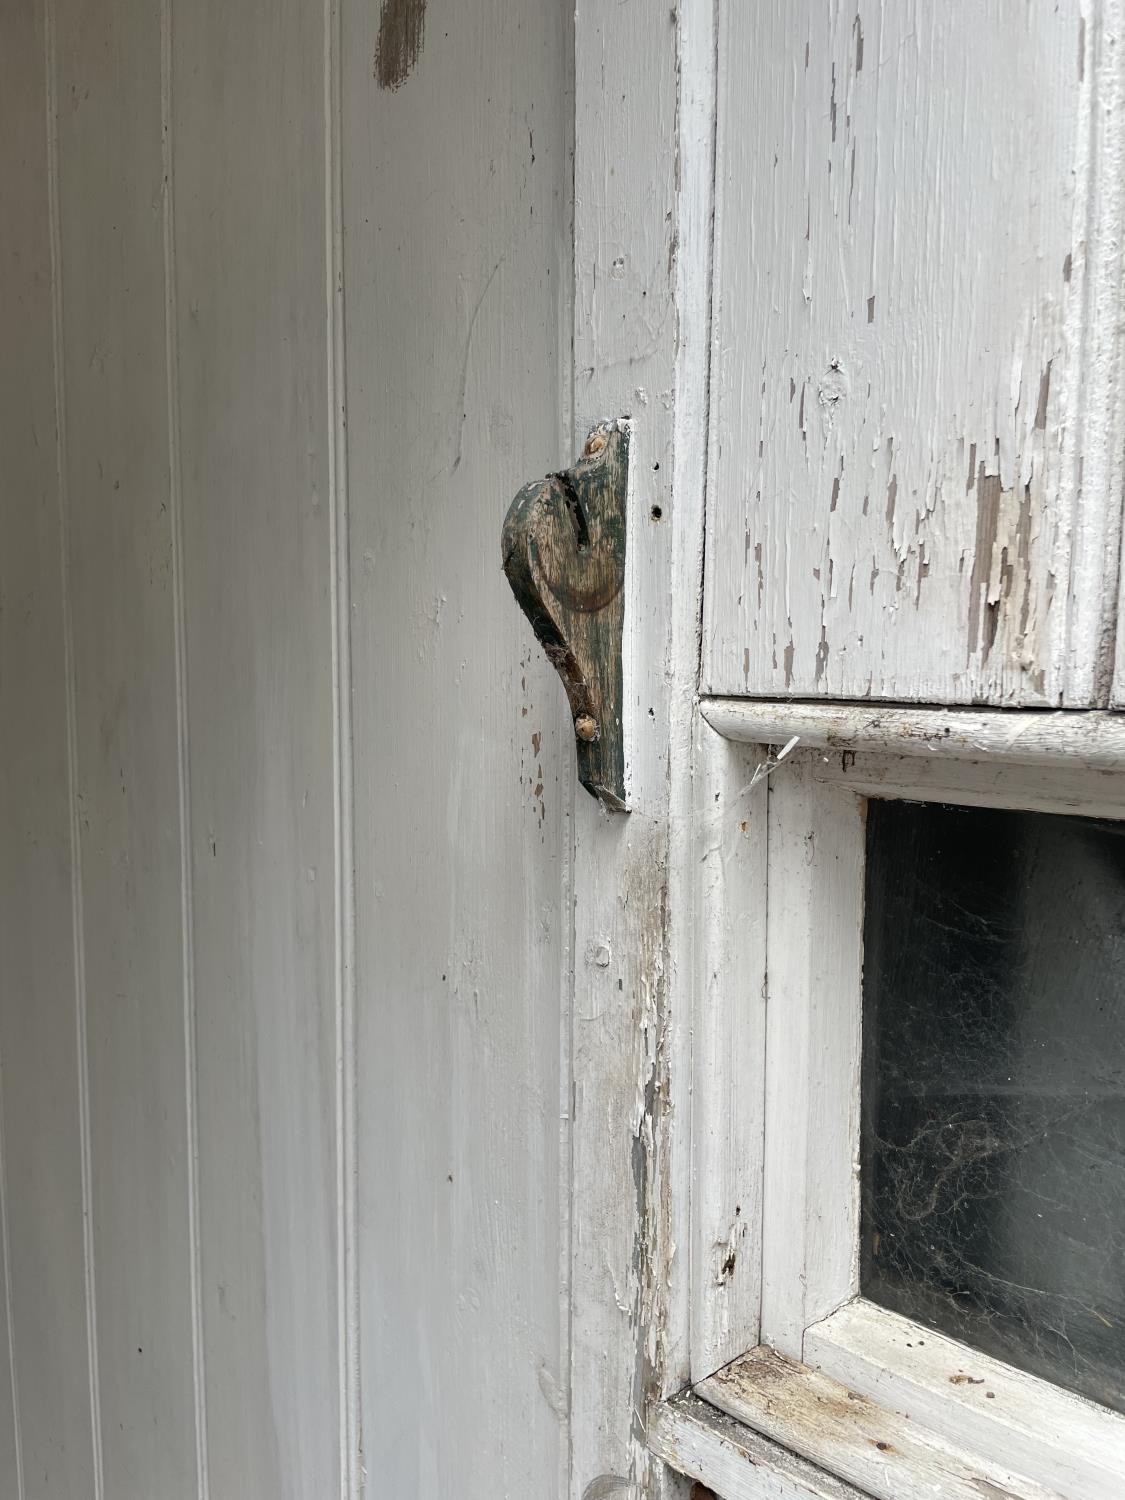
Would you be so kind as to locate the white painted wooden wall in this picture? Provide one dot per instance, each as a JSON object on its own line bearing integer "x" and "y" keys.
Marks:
{"x": 345, "y": 1120}
{"x": 280, "y": 1152}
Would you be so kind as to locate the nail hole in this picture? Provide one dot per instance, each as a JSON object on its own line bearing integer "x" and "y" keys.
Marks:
{"x": 656, "y": 513}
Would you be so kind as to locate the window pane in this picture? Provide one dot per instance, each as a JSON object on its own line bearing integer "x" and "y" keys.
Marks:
{"x": 994, "y": 1084}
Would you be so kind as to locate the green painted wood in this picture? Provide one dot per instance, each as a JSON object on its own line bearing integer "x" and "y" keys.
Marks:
{"x": 563, "y": 546}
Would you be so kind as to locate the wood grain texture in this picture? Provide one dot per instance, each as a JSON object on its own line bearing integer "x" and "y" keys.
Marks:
{"x": 884, "y": 1454}
{"x": 563, "y": 551}
{"x": 1070, "y": 1444}
{"x": 457, "y": 279}
{"x": 42, "y": 1135}
{"x": 733, "y": 1461}
{"x": 119, "y": 567}
{"x": 917, "y": 415}
{"x": 248, "y": 124}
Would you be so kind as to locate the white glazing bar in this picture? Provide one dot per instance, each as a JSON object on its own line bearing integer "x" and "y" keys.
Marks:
{"x": 1095, "y": 741}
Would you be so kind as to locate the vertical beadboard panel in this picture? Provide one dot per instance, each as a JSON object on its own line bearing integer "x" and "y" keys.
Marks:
{"x": 248, "y": 151}
{"x": 110, "y": 173}
{"x": 347, "y": 1249}
{"x": 457, "y": 278}
{"x": 43, "y": 1196}
{"x": 917, "y": 485}
{"x": 11, "y": 1447}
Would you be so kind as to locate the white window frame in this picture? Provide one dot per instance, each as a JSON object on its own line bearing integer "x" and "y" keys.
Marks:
{"x": 775, "y": 1195}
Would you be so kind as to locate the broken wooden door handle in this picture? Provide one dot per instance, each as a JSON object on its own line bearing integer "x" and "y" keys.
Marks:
{"x": 563, "y": 547}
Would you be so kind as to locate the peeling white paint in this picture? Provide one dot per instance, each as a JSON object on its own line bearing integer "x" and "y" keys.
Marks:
{"x": 917, "y": 254}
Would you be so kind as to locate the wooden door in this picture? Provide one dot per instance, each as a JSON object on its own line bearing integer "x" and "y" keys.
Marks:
{"x": 855, "y": 277}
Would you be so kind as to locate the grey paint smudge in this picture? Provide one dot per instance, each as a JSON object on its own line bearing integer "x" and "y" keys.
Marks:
{"x": 402, "y": 24}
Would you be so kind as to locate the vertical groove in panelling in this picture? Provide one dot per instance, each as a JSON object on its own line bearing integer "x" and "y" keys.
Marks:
{"x": 78, "y": 924}
{"x": 5, "y": 1244}
{"x": 343, "y": 779}
{"x": 248, "y": 115}
{"x": 187, "y": 924}
{"x": 42, "y": 1133}
{"x": 109, "y": 171}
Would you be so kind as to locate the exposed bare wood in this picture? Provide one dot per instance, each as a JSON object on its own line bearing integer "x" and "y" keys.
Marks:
{"x": 1074, "y": 1445}
{"x": 734, "y": 1462}
{"x": 884, "y": 1454}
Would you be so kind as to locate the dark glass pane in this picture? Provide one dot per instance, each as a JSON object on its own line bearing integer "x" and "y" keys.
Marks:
{"x": 994, "y": 1084}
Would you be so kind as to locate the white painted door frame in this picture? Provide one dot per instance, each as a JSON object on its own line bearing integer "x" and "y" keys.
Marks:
{"x": 644, "y": 111}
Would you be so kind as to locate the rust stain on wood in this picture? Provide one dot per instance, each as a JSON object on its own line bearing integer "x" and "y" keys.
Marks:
{"x": 402, "y": 25}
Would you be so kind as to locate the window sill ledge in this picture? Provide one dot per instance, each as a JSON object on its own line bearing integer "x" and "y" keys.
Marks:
{"x": 795, "y": 1434}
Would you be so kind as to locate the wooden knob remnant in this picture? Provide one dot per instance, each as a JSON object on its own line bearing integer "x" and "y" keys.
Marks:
{"x": 563, "y": 549}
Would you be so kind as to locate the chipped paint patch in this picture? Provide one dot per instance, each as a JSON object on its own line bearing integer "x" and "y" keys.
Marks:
{"x": 878, "y": 359}
{"x": 999, "y": 585}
